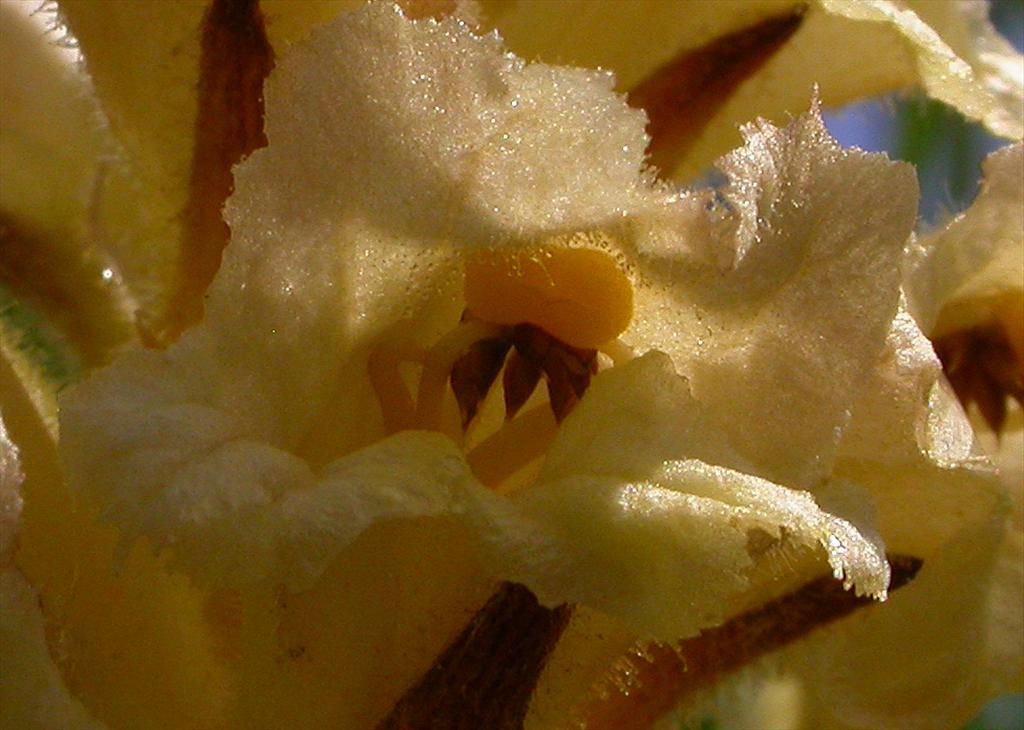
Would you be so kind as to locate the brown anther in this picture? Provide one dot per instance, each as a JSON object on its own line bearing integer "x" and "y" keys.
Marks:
{"x": 474, "y": 373}
{"x": 520, "y": 380}
{"x": 983, "y": 368}
{"x": 567, "y": 369}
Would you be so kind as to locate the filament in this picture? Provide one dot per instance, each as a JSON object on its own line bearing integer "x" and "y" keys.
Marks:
{"x": 513, "y": 446}
{"x": 396, "y": 402}
{"x": 438, "y": 366}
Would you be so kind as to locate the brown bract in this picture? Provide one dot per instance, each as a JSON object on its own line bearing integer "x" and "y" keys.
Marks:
{"x": 683, "y": 95}
{"x": 486, "y": 677}
{"x": 235, "y": 59}
{"x": 662, "y": 675}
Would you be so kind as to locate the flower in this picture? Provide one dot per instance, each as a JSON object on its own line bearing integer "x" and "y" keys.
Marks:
{"x": 287, "y": 508}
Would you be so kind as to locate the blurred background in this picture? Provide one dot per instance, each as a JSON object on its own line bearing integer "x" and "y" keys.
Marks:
{"x": 946, "y": 148}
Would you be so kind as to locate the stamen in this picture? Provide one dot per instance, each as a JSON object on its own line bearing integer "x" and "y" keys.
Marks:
{"x": 438, "y": 367}
{"x": 396, "y": 403}
{"x": 513, "y": 446}
{"x": 619, "y": 352}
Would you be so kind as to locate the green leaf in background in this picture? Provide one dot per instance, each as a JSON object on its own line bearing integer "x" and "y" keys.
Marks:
{"x": 33, "y": 339}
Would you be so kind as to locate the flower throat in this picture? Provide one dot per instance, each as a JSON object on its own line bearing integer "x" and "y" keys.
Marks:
{"x": 541, "y": 313}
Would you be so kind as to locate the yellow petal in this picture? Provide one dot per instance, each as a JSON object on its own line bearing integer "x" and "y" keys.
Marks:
{"x": 634, "y": 479}
{"x": 51, "y": 163}
{"x": 781, "y": 292}
{"x": 979, "y": 255}
{"x": 100, "y": 605}
{"x": 143, "y": 59}
{"x": 180, "y": 86}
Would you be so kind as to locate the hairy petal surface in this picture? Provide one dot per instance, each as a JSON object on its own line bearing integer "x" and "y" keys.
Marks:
{"x": 246, "y": 452}
{"x": 52, "y": 158}
{"x": 777, "y": 311}
{"x": 310, "y": 262}
{"x": 178, "y": 104}
{"x": 644, "y": 520}
{"x": 204, "y": 448}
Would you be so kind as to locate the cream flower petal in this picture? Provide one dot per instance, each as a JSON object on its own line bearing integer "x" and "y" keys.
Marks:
{"x": 200, "y": 448}
{"x": 923, "y": 660}
{"x": 851, "y": 48}
{"x": 32, "y": 692}
{"x": 246, "y": 449}
{"x": 910, "y": 445}
{"x": 179, "y": 86}
{"x": 631, "y": 493}
{"x": 776, "y": 312}
{"x": 907, "y": 412}
{"x": 960, "y": 58}
{"x": 339, "y": 259}
{"x": 52, "y": 151}
{"x": 980, "y": 253}
{"x": 961, "y": 614}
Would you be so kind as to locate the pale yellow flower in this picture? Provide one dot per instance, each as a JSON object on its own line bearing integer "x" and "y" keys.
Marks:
{"x": 281, "y": 519}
